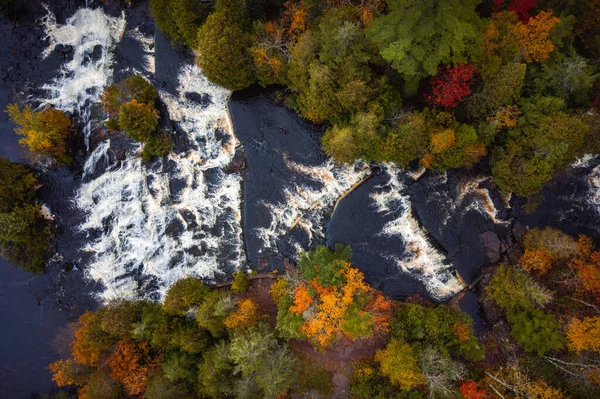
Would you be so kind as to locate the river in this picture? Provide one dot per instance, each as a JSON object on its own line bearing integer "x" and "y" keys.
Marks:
{"x": 128, "y": 229}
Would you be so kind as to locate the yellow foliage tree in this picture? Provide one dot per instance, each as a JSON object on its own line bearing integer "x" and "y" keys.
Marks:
{"x": 507, "y": 39}
{"x": 399, "y": 363}
{"x": 584, "y": 334}
{"x": 244, "y": 316}
{"x": 442, "y": 141}
{"x": 44, "y": 131}
{"x": 536, "y": 39}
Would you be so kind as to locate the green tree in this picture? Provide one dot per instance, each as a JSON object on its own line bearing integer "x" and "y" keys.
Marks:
{"x": 215, "y": 373}
{"x": 187, "y": 293}
{"x": 444, "y": 328}
{"x": 537, "y": 331}
{"x": 157, "y": 145}
{"x": 325, "y": 265}
{"x": 134, "y": 87}
{"x": 180, "y": 20}
{"x": 545, "y": 139}
{"x": 159, "y": 387}
{"x": 512, "y": 289}
{"x": 25, "y": 235}
{"x": 213, "y": 311}
{"x": 223, "y": 51}
{"x": 240, "y": 282}
{"x": 332, "y": 71}
{"x": 416, "y": 37}
{"x": 101, "y": 386}
{"x": 138, "y": 120}
{"x": 499, "y": 89}
{"x": 180, "y": 366}
{"x": 259, "y": 356}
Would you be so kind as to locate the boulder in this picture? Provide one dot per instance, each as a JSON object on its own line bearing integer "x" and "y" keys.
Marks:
{"x": 491, "y": 244}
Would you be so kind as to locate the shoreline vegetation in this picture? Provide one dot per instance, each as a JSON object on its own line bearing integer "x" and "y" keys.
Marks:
{"x": 320, "y": 330}
{"x": 439, "y": 85}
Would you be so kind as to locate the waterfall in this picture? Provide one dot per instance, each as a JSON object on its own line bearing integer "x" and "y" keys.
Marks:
{"x": 149, "y": 226}
{"x": 93, "y": 35}
{"x": 308, "y": 206}
{"x": 420, "y": 258}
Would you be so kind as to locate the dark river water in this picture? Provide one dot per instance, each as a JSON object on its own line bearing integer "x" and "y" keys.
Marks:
{"x": 193, "y": 215}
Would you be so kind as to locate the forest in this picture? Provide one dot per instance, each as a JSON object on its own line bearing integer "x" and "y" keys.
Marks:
{"x": 276, "y": 336}
{"x": 510, "y": 87}
{"x": 436, "y": 84}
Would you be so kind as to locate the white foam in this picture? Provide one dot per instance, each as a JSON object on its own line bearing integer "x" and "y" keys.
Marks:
{"x": 82, "y": 79}
{"x": 420, "y": 258}
{"x": 584, "y": 161}
{"x": 131, "y": 208}
{"x": 308, "y": 206}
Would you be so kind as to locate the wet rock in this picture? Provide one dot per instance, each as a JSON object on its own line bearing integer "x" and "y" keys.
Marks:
{"x": 202, "y": 99}
{"x": 518, "y": 230}
{"x": 491, "y": 244}
{"x": 493, "y": 313}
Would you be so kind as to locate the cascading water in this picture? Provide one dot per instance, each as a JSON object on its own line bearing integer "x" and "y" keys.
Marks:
{"x": 420, "y": 258}
{"x": 150, "y": 226}
{"x": 307, "y": 206}
{"x": 92, "y": 35}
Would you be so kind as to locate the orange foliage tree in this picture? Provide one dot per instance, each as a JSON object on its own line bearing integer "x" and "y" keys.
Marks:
{"x": 331, "y": 300}
{"x": 68, "y": 372}
{"x": 507, "y": 39}
{"x": 538, "y": 260}
{"x": 244, "y": 316}
{"x": 587, "y": 266}
{"x": 584, "y": 334}
{"x": 506, "y": 117}
{"x": 469, "y": 390}
{"x": 89, "y": 342}
{"x": 131, "y": 363}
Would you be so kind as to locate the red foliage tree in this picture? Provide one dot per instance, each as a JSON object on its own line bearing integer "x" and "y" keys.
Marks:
{"x": 519, "y": 7}
{"x": 469, "y": 390}
{"x": 451, "y": 85}
{"x": 522, "y": 8}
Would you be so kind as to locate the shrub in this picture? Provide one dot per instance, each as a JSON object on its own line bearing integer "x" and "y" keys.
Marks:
{"x": 240, "y": 282}
{"x": 158, "y": 145}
